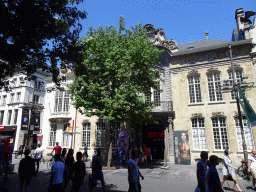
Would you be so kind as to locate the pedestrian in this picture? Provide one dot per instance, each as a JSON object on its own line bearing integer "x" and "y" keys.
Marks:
{"x": 57, "y": 150}
{"x": 63, "y": 155}
{"x": 228, "y": 170}
{"x": 38, "y": 156}
{"x": 68, "y": 168}
{"x": 21, "y": 150}
{"x": 94, "y": 153}
{"x": 137, "y": 161}
{"x": 85, "y": 150}
{"x": 97, "y": 173}
{"x": 123, "y": 156}
{"x": 149, "y": 156}
{"x": 79, "y": 173}
{"x": 133, "y": 173}
{"x": 212, "y": 176}
{"x": 26, "y": 170}
{"x": 145, "y": 154}
{"x": 252, "y": 167}
{"x": 57, "y": 171}
{"x": 201, "y": 171}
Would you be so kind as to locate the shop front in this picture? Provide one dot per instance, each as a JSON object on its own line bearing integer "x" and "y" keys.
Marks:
{"x": 8, "y": 131}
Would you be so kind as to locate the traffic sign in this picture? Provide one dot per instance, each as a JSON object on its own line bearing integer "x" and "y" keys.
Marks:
{"x": 39, "y": 138}
{"x": 40, "y": 131}
{"x": 2, "y": 127}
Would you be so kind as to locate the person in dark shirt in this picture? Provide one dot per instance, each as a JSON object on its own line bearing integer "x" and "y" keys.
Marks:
{"x": 78, "y": 173}
{"x": 26, "y": 170}
{"x": 68, "y": 168}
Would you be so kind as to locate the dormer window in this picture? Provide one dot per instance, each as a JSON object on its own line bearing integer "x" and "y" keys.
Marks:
{"x": 190, "y": 47}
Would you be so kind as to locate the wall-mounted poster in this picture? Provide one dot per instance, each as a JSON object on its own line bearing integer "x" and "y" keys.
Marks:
{"x": 181, "y": 147}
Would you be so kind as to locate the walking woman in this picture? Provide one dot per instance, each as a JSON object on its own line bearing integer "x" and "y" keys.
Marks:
{"x": 68, "y": 168}
{"x": 229, "y": 170}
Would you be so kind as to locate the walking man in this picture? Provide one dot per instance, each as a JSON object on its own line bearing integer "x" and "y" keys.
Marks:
{"x": 133, "y": 173}
{"x": 85, "y": 150}
{"x": 38, "y": 156}
{"x": 97, "y": 173}
{"x": 26, "y": 171}
{"x": 252, "y": 167}
{"x": 57, "y": 171}
{"x": 57, "y": 149}
{"x": 79, "y": 173}
{"x": 201, "y": 171}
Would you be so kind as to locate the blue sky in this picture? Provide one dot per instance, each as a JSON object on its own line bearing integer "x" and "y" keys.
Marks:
{"x": 182, "y": 20}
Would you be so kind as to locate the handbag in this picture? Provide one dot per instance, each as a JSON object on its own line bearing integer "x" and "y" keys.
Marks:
{"x": 197, "y": 189}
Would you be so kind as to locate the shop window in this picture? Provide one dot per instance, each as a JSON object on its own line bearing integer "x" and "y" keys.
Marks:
{"x": 247, "y": 134}
{"x": 220, "y": 133}
{"x": 86, "y": 137}
{"x": 100, "y": 135}
{"x": 198, "y": 132}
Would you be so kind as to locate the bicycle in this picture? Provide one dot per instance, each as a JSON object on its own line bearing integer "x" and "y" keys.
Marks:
{"x": 50, "y": 162}
{"x": 242, "y": 171}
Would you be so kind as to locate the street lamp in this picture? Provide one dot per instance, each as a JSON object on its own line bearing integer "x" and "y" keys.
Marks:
{"x": 234, "y": 85}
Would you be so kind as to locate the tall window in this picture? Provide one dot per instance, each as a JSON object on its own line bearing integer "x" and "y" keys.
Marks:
{"x": 115, "y": 128}
{"x": 213, "y": 85}
{"x": 36, "y": 99}
{"x": 101, "y": 135}
{"x": 66, "y": 137}
{"x": 198, "y": 131}
{"x": 12, "y": 98}
{"x": 1, "y": 117}
{"x": 9, "y": 117}
{"x": 14, "y": 82}
{"x": 22, "y": 81}
{"x": 86, "y": 134}
{"x": 4, "y": 100}
{"x": 194, "y": 89}
{"x": 53, "y": 135}
{"x": 157, "y": 96}
{"x": 220, "y": 133}
{"x": 15, "y": 116}
{"x": 247, "y": 134}
{"x": 61, "y": 101}
{"x": 148, "y": 99}
{"x": 238, "y": 75}
{"x": 18, "y": 95}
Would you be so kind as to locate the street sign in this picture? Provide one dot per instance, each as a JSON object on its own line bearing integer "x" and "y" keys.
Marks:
{"x": 39, "y": 138}
{"x": 40, "y": 131}
{"x": 2, "y": 127}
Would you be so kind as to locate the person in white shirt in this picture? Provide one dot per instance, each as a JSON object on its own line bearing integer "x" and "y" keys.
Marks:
{"x": 252, "y": 166}
{"x": 38, "y": 156}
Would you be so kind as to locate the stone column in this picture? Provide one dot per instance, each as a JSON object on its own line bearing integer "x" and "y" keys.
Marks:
{"x": 171, "y": 142}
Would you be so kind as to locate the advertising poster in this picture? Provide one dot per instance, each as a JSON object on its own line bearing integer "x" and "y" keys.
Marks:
{"x": 24, "y": 119}
{"x": 123, "y": 141}
{"x": 36, "y": 120}
{"x": 181, "y": 147}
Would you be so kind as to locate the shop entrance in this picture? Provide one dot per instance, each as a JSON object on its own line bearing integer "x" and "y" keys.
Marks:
{"x": 153, "y": 138}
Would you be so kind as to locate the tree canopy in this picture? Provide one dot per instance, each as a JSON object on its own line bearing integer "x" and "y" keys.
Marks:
{"x": 37, "y": 32}
{"x": 113, "y": 71}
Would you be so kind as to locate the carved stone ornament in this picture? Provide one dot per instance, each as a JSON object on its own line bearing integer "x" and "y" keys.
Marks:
{"x": 197, "y": 115}
{"x": 193, "y": 72}
{"x": 157, "y": 36}
{"x": 237, "y": 67}
{"x": 218, "y": 114}
{"x": 64, "y": 68}
{"x": 213, "y": 70}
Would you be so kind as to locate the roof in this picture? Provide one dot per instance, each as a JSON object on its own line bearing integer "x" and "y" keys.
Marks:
{"x": 199, "y": 44}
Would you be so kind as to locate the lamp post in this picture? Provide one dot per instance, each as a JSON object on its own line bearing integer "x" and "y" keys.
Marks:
{"x": 230, "y": 86}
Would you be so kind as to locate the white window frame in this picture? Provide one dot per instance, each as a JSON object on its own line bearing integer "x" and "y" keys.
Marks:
{"x": 9, "y": 118}
{"x": 220, "y": 130}
{"x": 238, "y": 75}
{"x": 115, "y": 126}
{"x": 52, "y": 135}
{"x": 2, "y": 117}
{"x": 194, "y": 88}
{"x": 86, "y": 136}
{"x": 198, "y": 133}
{"x": 100, "y": 135}
{"x": 247, "y": 133}
{"x": 213, "y": 85}
{"x": 4, "y": 100}
{"x": 15, "y": 117}
{"x": 18, "y": 96}
{"x": 12, "y": 98}
{"x": 61, "y": 101}
{"x": 157, "y": 96}
{"x": 66, "y": 137}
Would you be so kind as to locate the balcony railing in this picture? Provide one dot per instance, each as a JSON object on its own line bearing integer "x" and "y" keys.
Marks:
{"x": 163, "y": 106}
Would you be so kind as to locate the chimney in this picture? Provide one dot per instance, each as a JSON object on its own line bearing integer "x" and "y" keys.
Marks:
{"x": 206, "y": 34}
{"x": 239, "y": 14}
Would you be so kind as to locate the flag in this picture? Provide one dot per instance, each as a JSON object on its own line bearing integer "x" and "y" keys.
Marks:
{"x": 248, "y": 110}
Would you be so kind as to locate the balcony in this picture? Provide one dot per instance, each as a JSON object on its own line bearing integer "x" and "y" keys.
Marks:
{"x": 163, "y": 106}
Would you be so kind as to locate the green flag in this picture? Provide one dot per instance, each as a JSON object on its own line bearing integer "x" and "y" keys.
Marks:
{"x": 248, "y": 110}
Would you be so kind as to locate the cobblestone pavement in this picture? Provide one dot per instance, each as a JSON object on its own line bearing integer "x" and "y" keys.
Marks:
{"x": 177, "y": 178}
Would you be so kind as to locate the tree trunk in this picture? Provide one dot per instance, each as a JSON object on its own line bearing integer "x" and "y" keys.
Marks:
{"x": 109, "y": 154}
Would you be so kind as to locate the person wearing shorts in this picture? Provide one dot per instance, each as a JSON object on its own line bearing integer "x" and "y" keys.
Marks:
{"x": 252, "y": 167}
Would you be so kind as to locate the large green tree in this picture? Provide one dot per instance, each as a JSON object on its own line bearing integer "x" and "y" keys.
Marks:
{"x": 113, "y": 71}
{"x": 36, "y": 32}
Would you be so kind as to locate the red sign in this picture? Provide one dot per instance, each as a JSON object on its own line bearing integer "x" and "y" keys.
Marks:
{"x": 40, "y": 131}
{"x": 2, "y": 127}
{"x": 38, "y": 138}
{"x": 156, "y": 135}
